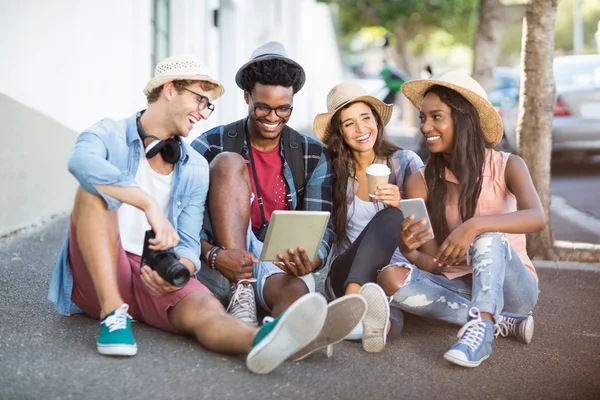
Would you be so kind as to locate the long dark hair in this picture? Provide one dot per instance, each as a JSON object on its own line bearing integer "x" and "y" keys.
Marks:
{"x": 343, "y": 166}
{"x": 466, "y": 163}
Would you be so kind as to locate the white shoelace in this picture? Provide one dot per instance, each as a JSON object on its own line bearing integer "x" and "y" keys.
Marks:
{"x": 118, "y": 320}
{"x": 242, "y": 304}
{"x": 473, "y": 332}
{"x": 506, "y": 326}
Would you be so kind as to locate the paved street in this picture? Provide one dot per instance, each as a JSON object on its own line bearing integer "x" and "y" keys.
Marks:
{"x": 47, "y": 356}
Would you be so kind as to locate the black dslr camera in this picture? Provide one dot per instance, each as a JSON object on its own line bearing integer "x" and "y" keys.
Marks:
{"x": 165, "y": 262}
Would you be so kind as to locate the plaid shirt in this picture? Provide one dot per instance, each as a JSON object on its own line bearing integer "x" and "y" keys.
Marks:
{"x": 317, "y": 170}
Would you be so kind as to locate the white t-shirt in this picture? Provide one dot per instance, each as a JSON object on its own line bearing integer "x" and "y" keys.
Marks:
{"x": 360, "y": 213}
{"x": 132, "y": 221}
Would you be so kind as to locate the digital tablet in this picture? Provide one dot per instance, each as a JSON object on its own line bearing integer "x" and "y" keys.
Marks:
{"x": 293, "y": 229}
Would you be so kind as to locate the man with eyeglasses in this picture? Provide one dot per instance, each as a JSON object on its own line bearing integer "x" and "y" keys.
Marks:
{"x": 138, "y": 174}
{"x": 240, "y": 181}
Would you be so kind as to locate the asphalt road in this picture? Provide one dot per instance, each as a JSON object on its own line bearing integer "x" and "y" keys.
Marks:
{"x": 44, "y": 355}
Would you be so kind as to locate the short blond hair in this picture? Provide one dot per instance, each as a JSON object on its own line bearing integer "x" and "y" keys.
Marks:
{"x": 179, "y": 86}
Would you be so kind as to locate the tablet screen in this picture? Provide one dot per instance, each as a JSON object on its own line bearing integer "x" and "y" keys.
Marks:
{"x": 293, "y": 229}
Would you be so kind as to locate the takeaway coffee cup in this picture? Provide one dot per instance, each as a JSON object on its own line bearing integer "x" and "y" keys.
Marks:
{"x": 377, "y": 174}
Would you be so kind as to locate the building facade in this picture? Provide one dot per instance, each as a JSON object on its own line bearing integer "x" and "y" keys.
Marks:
{"x": 69, "y": 63}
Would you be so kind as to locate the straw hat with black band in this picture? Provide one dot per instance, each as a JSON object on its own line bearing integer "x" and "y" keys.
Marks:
{"x": 340, "y": 96}
{"x": 470, "y": 89}
{"x": 182, "y": 67}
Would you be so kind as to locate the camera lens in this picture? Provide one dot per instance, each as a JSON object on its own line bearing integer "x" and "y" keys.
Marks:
{"x": 169, "y": 268}
{"x": 178, "y": 274}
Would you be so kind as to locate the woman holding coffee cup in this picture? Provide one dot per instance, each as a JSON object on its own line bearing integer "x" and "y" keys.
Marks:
{"x": 369, "y": 172}
{"x": 482, "y": 202}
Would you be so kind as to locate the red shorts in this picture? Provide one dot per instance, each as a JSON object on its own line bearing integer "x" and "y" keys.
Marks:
{"x": 144, "y": 305}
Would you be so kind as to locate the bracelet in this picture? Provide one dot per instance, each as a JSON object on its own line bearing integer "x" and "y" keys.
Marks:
{"x": 213, "y": 256}
{"x": 208, "y": 254}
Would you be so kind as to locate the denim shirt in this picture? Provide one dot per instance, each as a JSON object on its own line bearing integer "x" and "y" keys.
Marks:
{"x": 108, "y": 153}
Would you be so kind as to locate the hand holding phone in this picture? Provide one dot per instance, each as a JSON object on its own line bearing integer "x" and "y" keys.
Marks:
{"x": 417, "y": 209}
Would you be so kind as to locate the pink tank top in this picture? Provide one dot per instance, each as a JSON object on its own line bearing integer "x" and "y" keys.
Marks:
{"x": 495, "y": 198}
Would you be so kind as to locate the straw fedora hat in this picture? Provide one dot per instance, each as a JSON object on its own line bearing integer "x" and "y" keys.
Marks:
{"x": 269, "y": 51}
{"x": 470, "y": 89}
{"x": 342, "y": 95}
{"x": 182, "y": 67}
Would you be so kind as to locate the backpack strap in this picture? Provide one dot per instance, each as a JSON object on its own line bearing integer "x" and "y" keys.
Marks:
{"x": 234, "y": 136}
{"x": 292, "y": 151}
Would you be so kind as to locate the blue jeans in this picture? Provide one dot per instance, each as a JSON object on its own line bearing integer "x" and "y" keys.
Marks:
{"x": 499, "y": 282}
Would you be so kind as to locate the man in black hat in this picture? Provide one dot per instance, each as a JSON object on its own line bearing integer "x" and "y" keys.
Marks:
{"x": 261, "y": 171}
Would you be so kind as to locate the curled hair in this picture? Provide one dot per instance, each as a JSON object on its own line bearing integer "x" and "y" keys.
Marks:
{"x": 466, "y": 162}
{"x": 179, "y": 86}
{"x": 273, "y": 72}
{"x": 343, "y": 167}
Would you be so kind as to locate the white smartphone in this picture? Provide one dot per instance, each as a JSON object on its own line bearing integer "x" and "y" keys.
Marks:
{"x": 417, "y": 208}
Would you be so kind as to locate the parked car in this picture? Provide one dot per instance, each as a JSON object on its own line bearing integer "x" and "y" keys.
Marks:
{"x": 576, "y": 123}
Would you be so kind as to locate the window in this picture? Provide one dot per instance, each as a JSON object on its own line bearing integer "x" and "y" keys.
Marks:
{"x": 161, "y": 15}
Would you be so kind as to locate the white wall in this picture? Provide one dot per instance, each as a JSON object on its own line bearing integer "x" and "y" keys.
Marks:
{"x": 78, "y": 61}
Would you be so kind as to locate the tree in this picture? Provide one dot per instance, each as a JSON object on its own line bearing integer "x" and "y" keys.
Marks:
{"x": 412, "y": 22}
{"x": 493, "y": 19}
{"x": 536, "y": 104}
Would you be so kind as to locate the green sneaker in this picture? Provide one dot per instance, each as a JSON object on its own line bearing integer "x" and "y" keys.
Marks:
{"x": 115, "y": 337}
{"x": 291, "y": 331}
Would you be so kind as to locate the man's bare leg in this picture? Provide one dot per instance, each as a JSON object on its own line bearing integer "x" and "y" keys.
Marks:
{"x": 201, "y": 315}
{"x": 97, "y": 236}
{"x": 229, "y": 200}
{"x": 281, "y": 291}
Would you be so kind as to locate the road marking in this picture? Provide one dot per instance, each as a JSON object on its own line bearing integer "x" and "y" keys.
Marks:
{"x": 560, "y": 207}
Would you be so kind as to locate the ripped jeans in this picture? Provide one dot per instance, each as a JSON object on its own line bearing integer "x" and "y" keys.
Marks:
{"x": 499, "y": 282}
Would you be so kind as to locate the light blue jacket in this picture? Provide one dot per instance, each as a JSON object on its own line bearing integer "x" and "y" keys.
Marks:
{"x": 108, "y": 153}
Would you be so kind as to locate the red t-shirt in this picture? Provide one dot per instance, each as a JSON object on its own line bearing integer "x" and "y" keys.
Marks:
{"x": 269, "y": 170}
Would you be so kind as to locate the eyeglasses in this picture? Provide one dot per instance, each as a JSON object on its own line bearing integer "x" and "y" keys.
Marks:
{"x": 262, "y": 110}
{"x": 204, "y": 105}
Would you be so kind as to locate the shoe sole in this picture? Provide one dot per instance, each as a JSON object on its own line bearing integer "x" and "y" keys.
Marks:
{"x": 117, "y": 349}
{"x": 469, "y": 364}
{"x": 297, "y": 327}
{"x": 527, "y": 331}
{"x": 376, "y": 318}
{"x": 343, "y": 315}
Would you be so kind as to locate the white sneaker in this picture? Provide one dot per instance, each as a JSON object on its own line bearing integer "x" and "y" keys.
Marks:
{"x": 343, "y": 315}
{"x": 243, "y": 304}
{"x": 376, "y": 319}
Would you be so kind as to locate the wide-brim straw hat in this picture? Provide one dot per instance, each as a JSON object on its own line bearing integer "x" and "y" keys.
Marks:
{"x": 269, "y": 51}
{"x": 342, "y": 95}
{"x": 183, "y": 67}
{"x": 470, "y": 89}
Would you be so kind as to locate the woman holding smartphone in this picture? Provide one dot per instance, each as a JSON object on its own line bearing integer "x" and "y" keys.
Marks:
{"x": 367, "y": 226}
{"x": 481, "y": 202}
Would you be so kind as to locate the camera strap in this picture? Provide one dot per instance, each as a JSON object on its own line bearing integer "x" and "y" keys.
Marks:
{"x": 256, "y": 184}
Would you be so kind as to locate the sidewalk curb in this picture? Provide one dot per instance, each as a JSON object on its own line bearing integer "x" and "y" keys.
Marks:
{"x": 566, "y": 266}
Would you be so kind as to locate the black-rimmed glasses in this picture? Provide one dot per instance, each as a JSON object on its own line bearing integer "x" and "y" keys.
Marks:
{"x": 204, "y": 105}
{"x": 262, "y": 110}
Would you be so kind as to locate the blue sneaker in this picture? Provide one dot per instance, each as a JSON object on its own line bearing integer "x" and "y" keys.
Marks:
{"x": 115, "y": 337}
{"x": 519, "y": 327}
{"x": 291, "y": 331}
{"x": 475, "y": 344}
